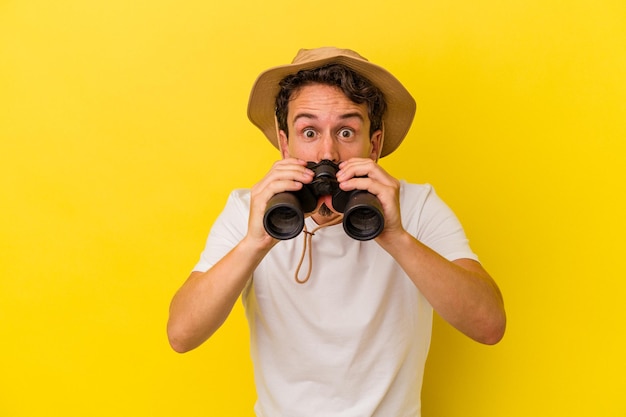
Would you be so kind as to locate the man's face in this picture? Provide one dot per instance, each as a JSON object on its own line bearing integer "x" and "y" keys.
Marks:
{"x": 325, "y": 124}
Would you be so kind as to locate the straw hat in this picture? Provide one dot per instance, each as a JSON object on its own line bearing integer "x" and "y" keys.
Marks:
{"x": 400, "y": 104}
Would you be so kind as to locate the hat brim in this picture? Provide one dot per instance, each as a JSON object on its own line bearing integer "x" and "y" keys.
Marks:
{"x": 400, "y": 104}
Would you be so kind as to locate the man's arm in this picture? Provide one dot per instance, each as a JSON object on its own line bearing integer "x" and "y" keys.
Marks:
{"x": 461, "y": 292}
{"x": 206, "y": 299}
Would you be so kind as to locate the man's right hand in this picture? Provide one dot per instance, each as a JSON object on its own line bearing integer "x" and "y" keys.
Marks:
{"x": 285, "y": 175}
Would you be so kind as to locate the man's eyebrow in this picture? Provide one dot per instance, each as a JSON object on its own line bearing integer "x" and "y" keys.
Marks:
{"x": 304, "y": 116}
{"x": 352, "y": 115}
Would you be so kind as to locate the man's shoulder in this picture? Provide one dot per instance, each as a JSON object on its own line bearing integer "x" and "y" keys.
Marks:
{"x": 412, "y": 191}
{"x": 415, "y": 187}
{"x": 240, "y": 194}
{"x": 238, "y": 201}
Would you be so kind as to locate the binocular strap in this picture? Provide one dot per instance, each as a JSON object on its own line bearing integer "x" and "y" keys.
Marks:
{"x": 308, "y": 243}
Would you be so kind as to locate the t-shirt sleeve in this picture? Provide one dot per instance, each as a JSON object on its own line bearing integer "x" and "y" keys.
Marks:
{"x": 227, "y": 231}
{"x": 433, "y": 223}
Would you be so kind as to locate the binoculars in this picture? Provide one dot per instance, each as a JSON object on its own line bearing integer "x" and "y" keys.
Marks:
{"x": 363, "y": 215}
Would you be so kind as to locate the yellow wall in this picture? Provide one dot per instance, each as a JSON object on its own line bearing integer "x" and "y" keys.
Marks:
{"x": 123, "y": 127}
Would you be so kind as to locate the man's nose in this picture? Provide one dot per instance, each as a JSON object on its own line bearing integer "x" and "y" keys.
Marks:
{"x": 328, "y": 148}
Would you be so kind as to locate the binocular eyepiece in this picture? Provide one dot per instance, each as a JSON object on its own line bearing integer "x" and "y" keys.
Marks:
{"x": 362, "y": 212}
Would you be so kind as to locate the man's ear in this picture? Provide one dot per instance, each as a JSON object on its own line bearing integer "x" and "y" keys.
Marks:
{"x": 376, "y": 142}
{"x": 283, "y": 144}
{"x": 283, "y": 141}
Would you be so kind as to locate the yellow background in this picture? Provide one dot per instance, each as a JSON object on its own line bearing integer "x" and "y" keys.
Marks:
{"x": 123, "y": 128}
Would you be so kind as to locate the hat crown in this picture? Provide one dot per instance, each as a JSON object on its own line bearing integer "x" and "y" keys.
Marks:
{"x": 311, "y": 55}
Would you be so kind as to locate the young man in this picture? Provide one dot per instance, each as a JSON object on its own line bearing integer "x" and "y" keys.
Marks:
{"x": 347, "y": 332}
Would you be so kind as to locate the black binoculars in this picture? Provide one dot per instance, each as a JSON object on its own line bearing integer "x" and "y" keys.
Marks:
{"x": 362, "y": 212}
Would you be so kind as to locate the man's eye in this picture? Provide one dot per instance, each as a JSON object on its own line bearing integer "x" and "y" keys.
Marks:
{"x": 309, "y": 133}
{"x": 346, "y": 133}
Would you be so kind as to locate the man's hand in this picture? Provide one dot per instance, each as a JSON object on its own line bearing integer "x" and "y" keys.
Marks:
{"x": 285, "y": 175}
{"x": 366, "y": 174}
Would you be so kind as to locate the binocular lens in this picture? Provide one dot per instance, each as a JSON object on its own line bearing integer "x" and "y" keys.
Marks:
{"x": 363, "y": 223}
{"x": 283, "y": 218}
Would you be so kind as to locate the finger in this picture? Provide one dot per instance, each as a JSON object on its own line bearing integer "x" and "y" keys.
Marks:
{"x": 364, "y": 168}
{"x": 291, "y": 170}
{"x": 367, "y": 184}
{"x": 285, "y": 175}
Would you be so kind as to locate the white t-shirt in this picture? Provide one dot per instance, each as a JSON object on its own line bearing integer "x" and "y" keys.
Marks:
{"x": 353, "y": 340}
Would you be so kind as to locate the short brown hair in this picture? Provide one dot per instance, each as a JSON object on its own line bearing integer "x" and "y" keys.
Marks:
{"x": 354, "y": 86}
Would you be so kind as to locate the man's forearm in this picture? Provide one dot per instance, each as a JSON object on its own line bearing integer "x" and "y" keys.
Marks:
{"x": 206, "y": 299}
{"x": 461, "y": 292}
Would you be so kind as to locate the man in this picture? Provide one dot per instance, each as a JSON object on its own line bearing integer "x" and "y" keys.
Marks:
{"x": 350, "y": 336}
